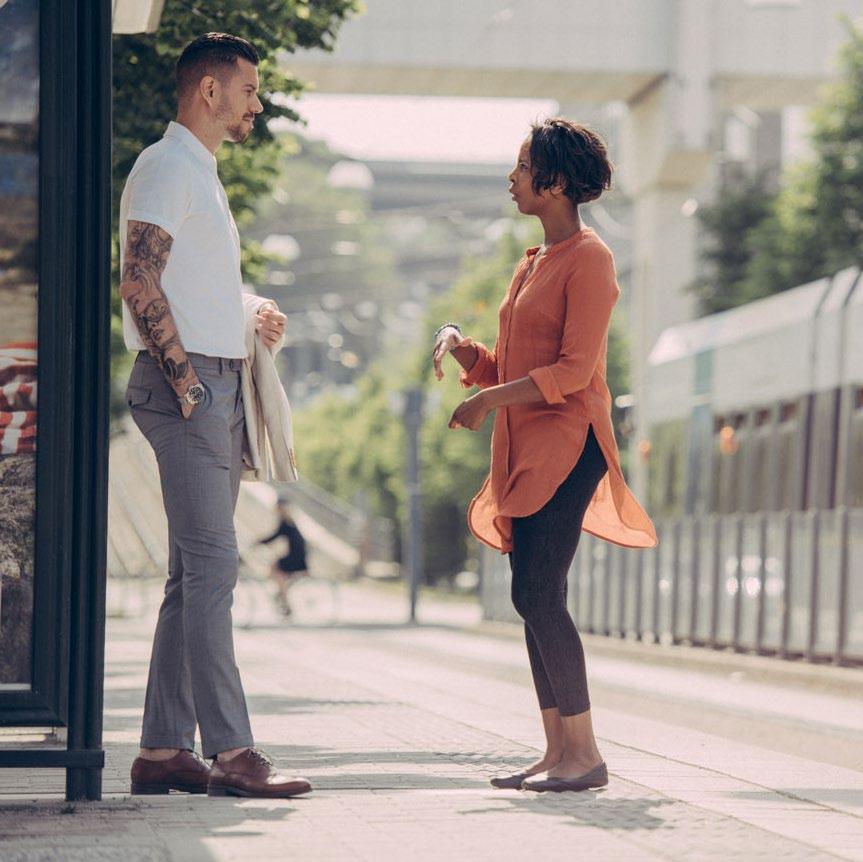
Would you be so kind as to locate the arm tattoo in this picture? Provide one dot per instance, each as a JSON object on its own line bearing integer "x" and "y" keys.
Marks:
{"x": 147, "y": 250}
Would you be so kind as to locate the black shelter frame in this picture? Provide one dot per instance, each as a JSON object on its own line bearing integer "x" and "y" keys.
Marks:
{"x": 72, "y": 459}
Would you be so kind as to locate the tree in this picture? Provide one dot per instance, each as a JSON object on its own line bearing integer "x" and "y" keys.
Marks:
{"x": 742, "y": 205}
{"x": 814, "y": 226}
{"x": 144, "y": 97}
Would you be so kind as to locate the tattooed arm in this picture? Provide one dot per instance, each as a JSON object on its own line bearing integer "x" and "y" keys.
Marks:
{"x": 146, "y": 255}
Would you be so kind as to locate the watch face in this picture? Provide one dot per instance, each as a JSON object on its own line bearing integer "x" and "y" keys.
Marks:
{"x": 195, "y": 394}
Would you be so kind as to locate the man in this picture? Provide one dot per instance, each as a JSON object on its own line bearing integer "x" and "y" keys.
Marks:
{"x": 183, "y": 311}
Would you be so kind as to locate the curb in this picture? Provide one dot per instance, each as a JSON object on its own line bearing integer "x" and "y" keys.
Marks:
{"x": 826, "y": 678}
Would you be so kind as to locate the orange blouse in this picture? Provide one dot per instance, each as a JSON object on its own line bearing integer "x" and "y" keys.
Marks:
{"x": 554, "y": 328}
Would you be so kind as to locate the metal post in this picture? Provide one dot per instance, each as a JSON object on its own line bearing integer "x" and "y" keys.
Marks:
{"x": 738, "y": 596}
{"x": 413, "y": 534}
{"x": 86, "y": 670}
{"x": 843, "y": 610}
{"x": 762, "y": 579}
{"x": 677, "y": 533}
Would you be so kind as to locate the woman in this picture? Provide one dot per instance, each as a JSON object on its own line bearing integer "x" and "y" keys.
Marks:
{"x": 555, "y": 466}
{"x": 288, "y": 568}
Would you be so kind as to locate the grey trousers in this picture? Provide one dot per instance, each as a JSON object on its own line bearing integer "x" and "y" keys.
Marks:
{"x": 193, "y": 674}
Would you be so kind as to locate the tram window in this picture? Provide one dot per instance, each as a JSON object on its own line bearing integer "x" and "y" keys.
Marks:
{"x": 671, "y": 480}
{"x": 788, "y": 411}
{"x": 855, "y": 452}
{"x": 786, "y": 456}
{"x": 727, "y": 486}
{"x": 668, "y": 450}
{"x": 758, "y": 491}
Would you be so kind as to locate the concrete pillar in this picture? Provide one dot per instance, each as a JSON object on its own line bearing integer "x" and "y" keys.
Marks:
{"x": 666, "y": 156}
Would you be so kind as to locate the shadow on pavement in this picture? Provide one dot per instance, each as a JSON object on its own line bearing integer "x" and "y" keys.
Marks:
{"x": 178, "y": 826}
{"x": 587, "y": 808}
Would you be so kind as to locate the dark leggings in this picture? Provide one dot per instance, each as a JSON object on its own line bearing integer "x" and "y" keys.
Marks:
{"x": 543, "y": 546}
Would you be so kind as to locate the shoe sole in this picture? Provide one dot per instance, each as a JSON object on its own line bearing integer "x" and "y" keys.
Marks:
{"x": 164, "y": 789}
{"x": 511, "y": 782}
{"x": 593, "y": 780}
{"x": 220, "y": 790}
{"x": 571, "y": 788}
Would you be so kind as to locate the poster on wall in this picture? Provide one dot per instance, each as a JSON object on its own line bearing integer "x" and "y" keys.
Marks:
{"x": 19, "y": 226}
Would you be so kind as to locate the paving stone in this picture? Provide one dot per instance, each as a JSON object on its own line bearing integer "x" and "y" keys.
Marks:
{"x": 399, "y": 737}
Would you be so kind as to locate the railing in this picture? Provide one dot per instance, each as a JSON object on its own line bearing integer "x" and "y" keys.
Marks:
{"x": 781, "y": 583}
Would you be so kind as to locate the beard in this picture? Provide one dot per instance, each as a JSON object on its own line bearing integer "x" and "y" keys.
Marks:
{"x": 238, "y": 133}
{"x": 235, "y": 130}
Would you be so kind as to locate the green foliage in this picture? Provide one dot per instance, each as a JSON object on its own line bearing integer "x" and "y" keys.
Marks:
{"x": 350, "y": 442}
{"x": 814, "y": 226}
{"x": 144, "y": 96}
{"x": 742, "y": 205}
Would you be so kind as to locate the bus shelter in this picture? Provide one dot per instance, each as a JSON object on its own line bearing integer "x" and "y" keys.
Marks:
{"x": 55, "y": 219}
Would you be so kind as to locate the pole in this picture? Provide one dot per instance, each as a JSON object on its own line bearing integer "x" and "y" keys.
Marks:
{"x": 413, "y": 421}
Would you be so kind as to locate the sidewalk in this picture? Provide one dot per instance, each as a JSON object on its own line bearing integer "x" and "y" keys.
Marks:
{"x": 399, "y": 729}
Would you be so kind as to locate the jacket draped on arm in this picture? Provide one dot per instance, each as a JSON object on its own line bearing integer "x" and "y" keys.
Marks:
{"x": 268, "y": 444}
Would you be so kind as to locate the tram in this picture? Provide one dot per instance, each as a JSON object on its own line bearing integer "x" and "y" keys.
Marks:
{"x": 760, "y": 408}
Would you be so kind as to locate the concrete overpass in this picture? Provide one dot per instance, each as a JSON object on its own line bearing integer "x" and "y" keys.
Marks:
{"x": 678, "y": 65}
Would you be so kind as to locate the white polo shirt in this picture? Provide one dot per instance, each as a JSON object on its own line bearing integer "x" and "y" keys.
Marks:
{"x": 174, "y": 184}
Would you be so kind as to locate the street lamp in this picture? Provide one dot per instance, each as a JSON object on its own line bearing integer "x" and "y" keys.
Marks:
{"x": 410, "y": 405}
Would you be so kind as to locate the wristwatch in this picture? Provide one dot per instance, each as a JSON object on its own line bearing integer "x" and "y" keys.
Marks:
{"x": 194, "y": 394}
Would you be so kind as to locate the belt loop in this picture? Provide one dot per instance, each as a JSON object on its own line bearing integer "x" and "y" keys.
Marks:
{"x": 221, "y": 365}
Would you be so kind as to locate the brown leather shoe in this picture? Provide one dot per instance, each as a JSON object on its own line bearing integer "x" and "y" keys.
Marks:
{"x": 186, "y": 771}
{"x": 251, "y": 773}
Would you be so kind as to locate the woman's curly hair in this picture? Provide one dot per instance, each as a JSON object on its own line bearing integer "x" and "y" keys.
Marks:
{"x": 571, "y": 155}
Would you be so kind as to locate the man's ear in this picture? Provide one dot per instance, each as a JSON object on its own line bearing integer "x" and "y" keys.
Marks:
{"x": 208, "y": 88}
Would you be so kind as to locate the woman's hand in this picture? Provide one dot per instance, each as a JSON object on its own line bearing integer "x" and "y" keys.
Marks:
{"x": 471, "y": 412}
{"x": 447, "y": 339}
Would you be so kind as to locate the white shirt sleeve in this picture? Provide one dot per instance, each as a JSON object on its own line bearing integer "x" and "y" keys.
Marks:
{"x": 160, "y": 193}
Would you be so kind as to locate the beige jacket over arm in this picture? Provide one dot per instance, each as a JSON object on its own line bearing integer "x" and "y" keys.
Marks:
{"x": 268, "y": 447}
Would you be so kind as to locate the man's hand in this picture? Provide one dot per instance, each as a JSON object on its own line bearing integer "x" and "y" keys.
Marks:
{"x": 471, "y": 412}
{"x": 271, "y": 326}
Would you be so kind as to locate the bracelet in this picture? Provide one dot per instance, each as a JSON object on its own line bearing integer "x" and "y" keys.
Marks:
{"x": 440, "y": 329}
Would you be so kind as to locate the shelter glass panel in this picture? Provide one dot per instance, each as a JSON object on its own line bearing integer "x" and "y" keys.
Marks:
{"x": 19, "y": 278}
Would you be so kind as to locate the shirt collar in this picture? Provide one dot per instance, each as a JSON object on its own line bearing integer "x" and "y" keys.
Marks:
{"x": 180, "y": 133}
{"x": 559, "y": 246}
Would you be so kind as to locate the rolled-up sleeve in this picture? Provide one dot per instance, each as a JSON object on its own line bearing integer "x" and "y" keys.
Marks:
{"x": 591, "y": 293}
{"x": 483, "y": 372}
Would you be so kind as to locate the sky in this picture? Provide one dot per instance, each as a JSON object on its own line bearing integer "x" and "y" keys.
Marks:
{"x": 465, "y": 130}
{"x": 422, "y": 128}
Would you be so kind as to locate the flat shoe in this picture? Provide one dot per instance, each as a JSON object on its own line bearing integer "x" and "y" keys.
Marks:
{"x": 509, "y": 782}
{"x": 595, "y": 778}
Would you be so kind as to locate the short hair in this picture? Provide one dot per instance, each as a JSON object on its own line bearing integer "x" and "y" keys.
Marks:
{"x": 211, "y": 54}
{"x": 571, "y": 155}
